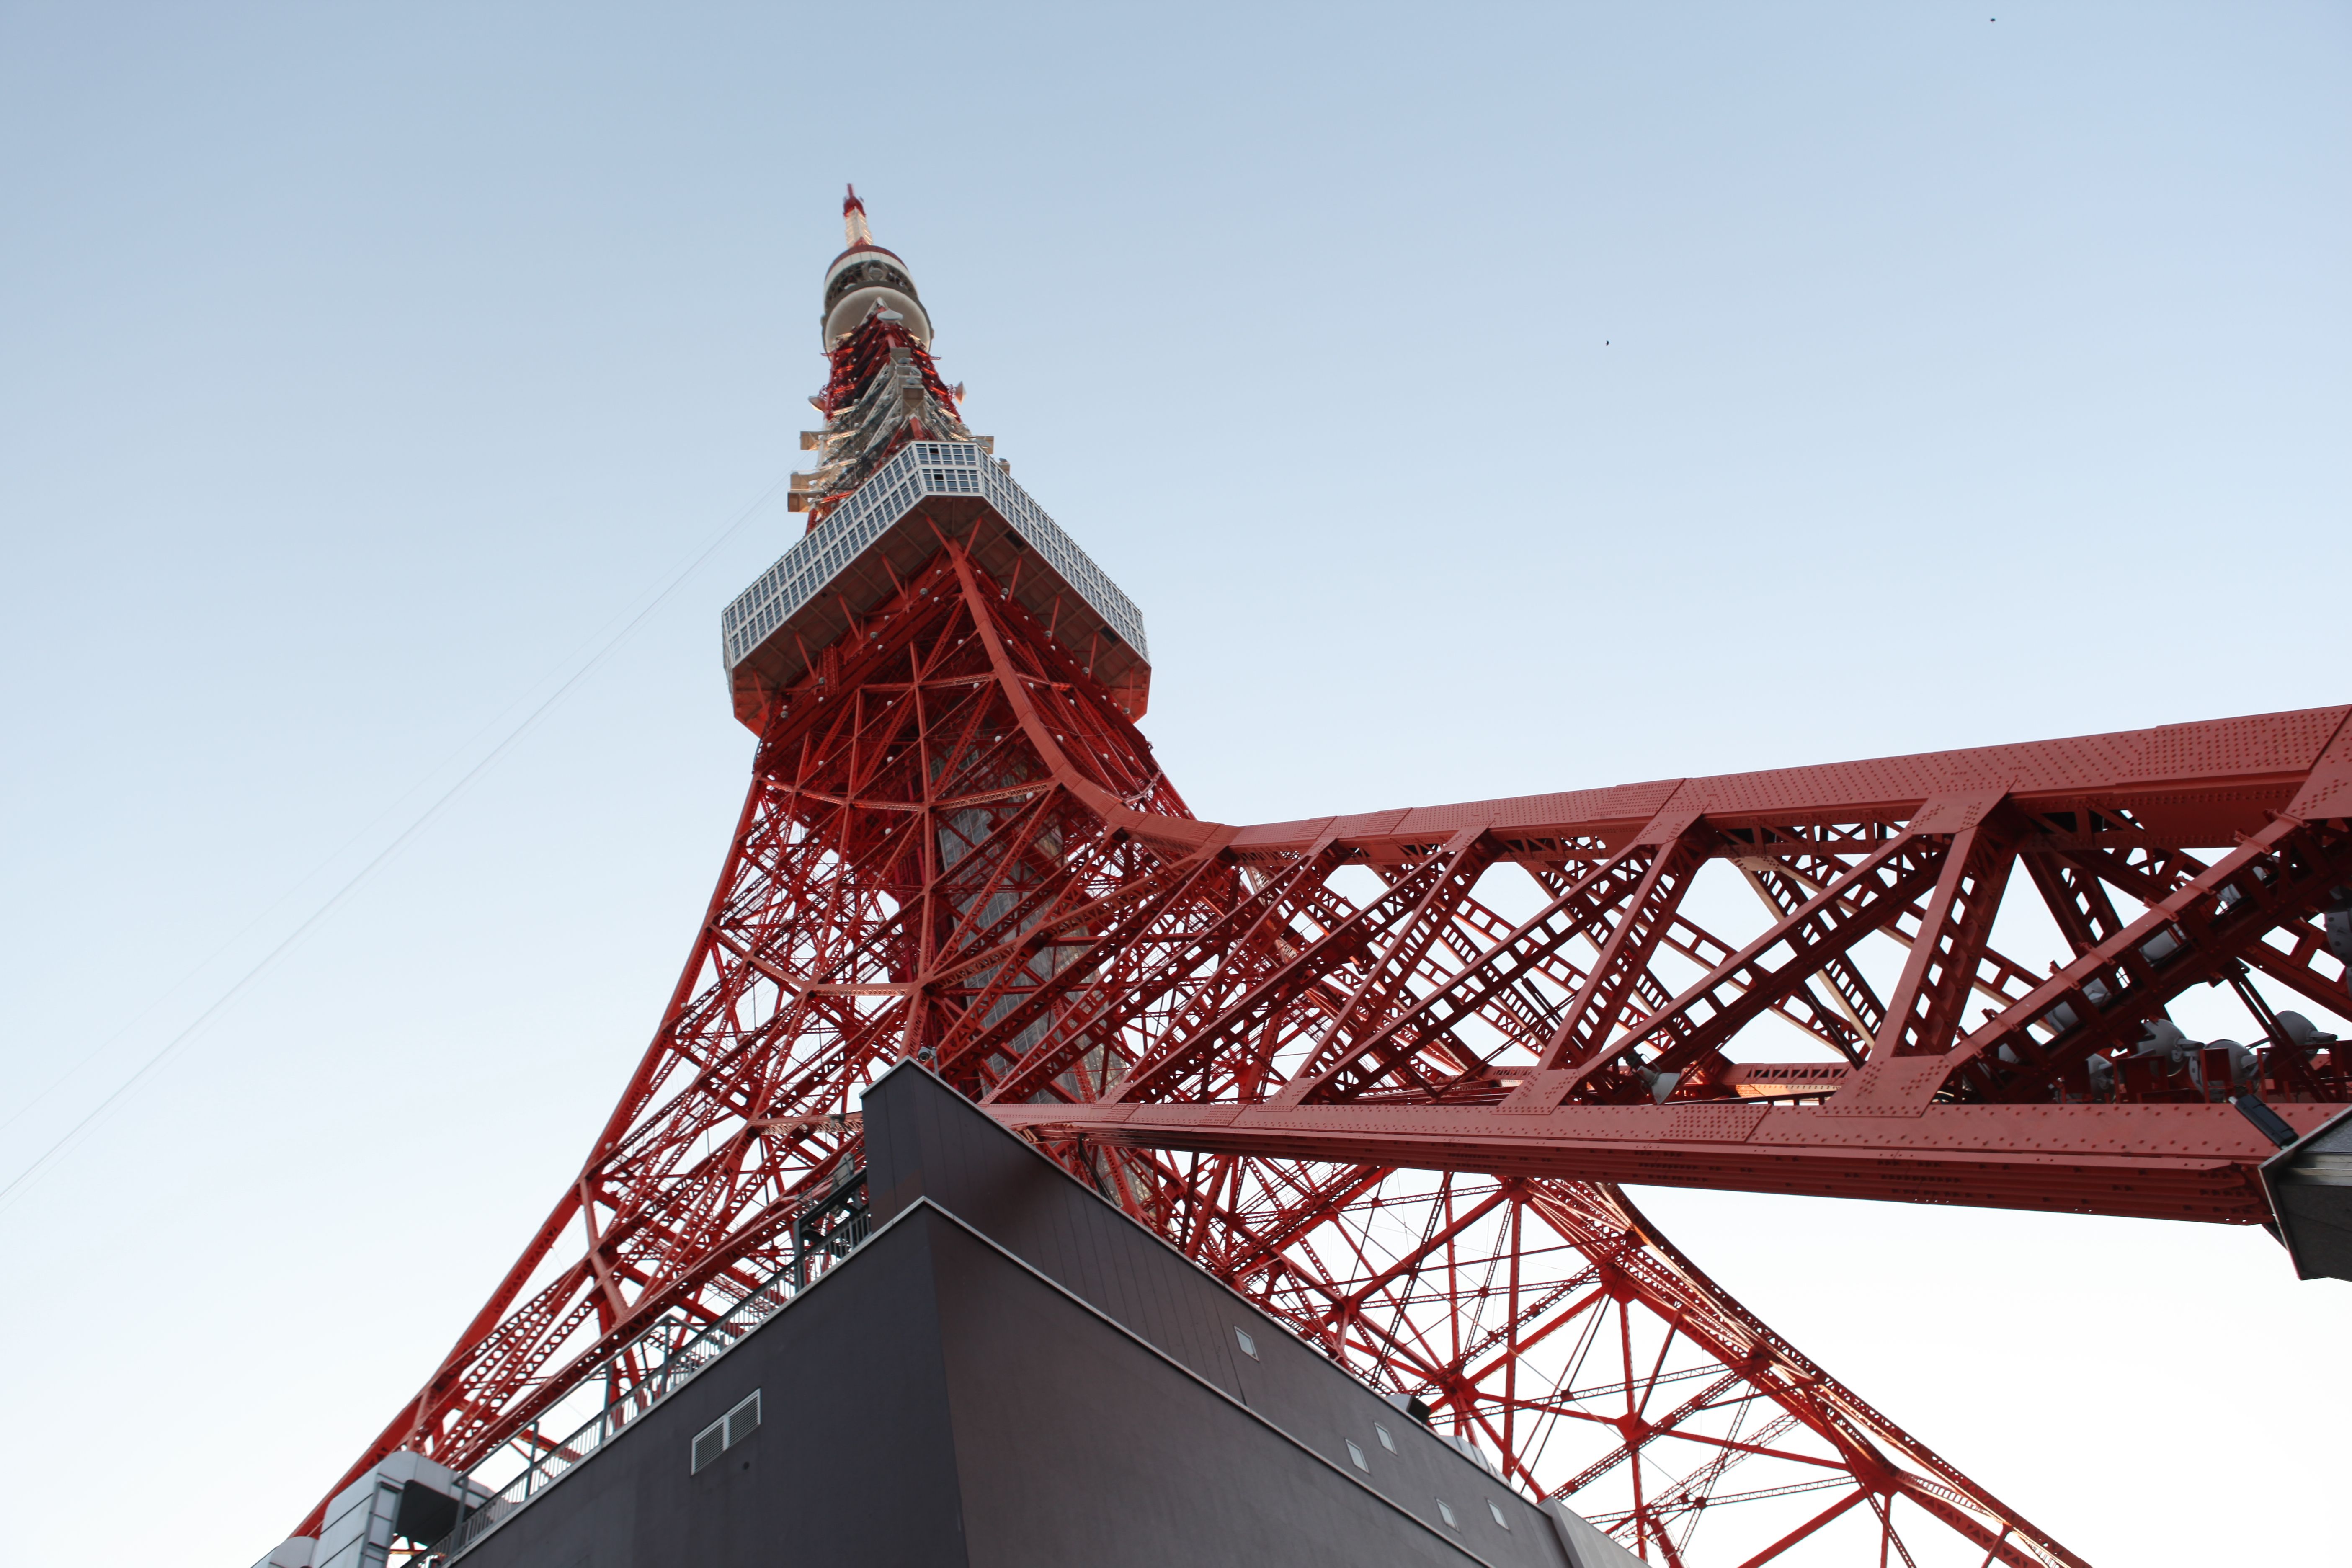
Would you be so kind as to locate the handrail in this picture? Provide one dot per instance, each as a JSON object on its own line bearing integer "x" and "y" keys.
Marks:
{"x": 675, "y": 1362}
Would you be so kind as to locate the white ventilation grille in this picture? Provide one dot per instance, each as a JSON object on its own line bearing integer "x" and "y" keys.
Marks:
{"x": 726, "y": 1432}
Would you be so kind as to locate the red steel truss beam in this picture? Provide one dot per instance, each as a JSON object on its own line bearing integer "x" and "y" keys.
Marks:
{"x": 1939, "y": 1113}
{"x": 2183, "y": 786}
{"x": 2154, "y": 1161}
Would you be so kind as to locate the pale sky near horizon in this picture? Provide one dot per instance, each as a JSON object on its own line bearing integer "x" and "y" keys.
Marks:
{"x": 1476, "y": 400}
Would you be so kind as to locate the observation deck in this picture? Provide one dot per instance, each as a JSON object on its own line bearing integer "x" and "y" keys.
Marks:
{"x": 930, "y": 493}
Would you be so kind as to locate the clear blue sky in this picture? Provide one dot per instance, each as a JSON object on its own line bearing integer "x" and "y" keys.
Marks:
{"x": 1477, "y": 400}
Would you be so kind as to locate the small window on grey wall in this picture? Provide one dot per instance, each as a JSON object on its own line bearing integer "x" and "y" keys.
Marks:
{"x": 1386, "y": 1441}
{"x": 726, "y": 1432}
{"x": 1358, "y": 1455}
{"x": 1447, "y": 1509}
{"x": 1495, "y": 1508}
{"x": 1242, "y": 1338}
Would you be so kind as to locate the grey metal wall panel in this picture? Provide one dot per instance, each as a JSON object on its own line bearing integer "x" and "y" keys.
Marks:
{"x": 1077, "y": 1446}
{"x": 922, "y": 1139}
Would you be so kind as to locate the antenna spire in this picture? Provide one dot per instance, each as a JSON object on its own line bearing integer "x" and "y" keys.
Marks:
{"x": 853, "y": 219}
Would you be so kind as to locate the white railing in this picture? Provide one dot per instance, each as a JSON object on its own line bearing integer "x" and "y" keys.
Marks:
{"x": 921, "y": 468}
{"x": 657, "y": 1363}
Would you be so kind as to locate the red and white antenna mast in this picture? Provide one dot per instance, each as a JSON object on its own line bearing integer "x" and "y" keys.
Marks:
{"x": 883, "y": 390}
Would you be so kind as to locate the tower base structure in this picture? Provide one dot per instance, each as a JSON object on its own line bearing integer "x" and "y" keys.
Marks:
{"x": 1008, "y": 1370}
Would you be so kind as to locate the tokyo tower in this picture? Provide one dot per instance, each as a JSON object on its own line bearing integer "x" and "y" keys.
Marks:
{"x": 1381, "y": 1075}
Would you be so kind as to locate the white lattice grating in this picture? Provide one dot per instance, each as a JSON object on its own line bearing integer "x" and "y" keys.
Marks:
{"x": 922, "y": 468}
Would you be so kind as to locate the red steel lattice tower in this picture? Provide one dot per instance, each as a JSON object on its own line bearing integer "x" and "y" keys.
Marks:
{"x": 1382, "y": 1073}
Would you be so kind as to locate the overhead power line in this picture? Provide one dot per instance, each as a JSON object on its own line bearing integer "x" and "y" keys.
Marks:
{"x": 72, "y": 1136}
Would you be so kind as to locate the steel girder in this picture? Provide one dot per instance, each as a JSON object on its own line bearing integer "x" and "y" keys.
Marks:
{"x": 2009, "y": 1112}
{"x": 1322, "y": 1060}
